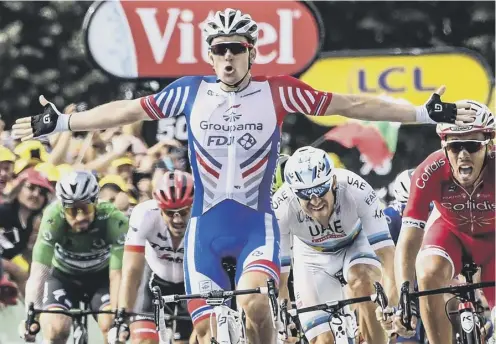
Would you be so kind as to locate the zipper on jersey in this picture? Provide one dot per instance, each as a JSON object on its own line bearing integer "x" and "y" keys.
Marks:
{"x": 231, "y": 151}
{"x": 470, "y": 194}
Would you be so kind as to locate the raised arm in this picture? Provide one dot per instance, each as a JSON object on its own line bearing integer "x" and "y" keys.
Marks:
{"x": 170, "y": 101}
{"x": 298, "y": 97}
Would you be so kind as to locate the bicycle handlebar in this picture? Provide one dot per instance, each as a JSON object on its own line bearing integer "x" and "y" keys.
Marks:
{"x": 73, "y": 313}
{"x": 378, "y": 297}
{"x": 216, "y": 298}
{"x": 406, "y": 296}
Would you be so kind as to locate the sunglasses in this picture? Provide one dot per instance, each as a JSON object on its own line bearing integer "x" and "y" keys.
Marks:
{"x": 470, "y": 146}
{"x": 85, "y": 209}
{"x": 235, "y": 48}
{"x": 317, "y": 191}
{"x": 31, "y": 187}
{"x": 181, "y": 212}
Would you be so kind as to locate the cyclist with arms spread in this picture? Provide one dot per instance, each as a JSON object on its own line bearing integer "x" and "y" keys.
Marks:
{"x": 234, "y": 123}
{"x": 78, "y": 252}
{"x": 459, "y": 179}
{"x": 153, "y": 255}
{"x": 337, "y": 226}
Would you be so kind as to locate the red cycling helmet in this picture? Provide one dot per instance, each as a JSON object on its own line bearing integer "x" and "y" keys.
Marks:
{"x": 174, "y": 190}
{"x": 36, "y": 178}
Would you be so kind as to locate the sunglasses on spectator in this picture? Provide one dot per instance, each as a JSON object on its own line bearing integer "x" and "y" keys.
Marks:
{"x": 181, "y": 212}
{"x": 235, "y": 48}
{"x": 471, "y": 146}
{"x": 86, "y": 209}
{"x": 317, "y": 191}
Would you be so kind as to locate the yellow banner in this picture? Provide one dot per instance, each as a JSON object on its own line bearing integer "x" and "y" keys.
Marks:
{"x": 409, "y": 77}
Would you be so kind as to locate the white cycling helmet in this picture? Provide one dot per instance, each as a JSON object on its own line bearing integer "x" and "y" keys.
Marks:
{"x": 77, "y": 186}
{"x": 402, "y": 184}
{"x": 231, "y": 22}
{"x": 308, "y": 167}
{"x": 484, "y": 122}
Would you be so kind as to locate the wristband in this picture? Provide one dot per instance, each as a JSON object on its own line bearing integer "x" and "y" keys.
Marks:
{"x": 422, "y": 115}
{"x": 63, "y": 123}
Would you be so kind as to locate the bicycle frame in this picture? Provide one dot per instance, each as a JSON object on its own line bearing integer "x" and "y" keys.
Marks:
{"x": 226, "y": 317}
{"x": 467, "y": 311}
{"x": 335, "y": 309}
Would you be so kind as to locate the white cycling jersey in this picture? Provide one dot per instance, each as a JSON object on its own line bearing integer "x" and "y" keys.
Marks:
{"x": 149, "y": 233}
{"x": 356, "y": 228}
{"x": 356, "y": 208}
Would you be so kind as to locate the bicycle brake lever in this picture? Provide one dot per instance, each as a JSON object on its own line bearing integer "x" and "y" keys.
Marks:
{"x": 31, "y": 320}
{"x": 406, "y": 311}
{"x": 284, "y": 317}
{"x": 272, "y": 293}
{"x": 382, "y": 299}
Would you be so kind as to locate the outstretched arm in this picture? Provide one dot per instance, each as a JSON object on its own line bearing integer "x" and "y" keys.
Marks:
{"x": 370, "y": 108}
{"x": 373, "y": 108}
{"x": 105, "y": 116}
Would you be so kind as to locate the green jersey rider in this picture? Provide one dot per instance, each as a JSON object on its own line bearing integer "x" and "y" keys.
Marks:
{"x": 78, "y": 254}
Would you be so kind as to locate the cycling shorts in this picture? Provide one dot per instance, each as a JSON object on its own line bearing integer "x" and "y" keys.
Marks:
{"x": 67, "y": 291}
{"x": 143, "y": 327}
{"x": 229, "y": 229}
{"x": 441, "y": 240}
{"x": 315, "y": 279}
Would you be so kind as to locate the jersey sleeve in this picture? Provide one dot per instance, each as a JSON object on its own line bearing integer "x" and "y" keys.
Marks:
{"x": 117, "y": 225}
{"x": 140, "y": 224}
{"x": 51, "y": 231}
{"x": 424, "y": 187}
{"x": 370, "y": 211}
{"x": 281, "y": 211}
{"x": 172, "y": 100}
{"x": 295, "y": 96}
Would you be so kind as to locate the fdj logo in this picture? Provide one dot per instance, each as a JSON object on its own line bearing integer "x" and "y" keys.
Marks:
{"x": 246, "y": 141}
{"x": 220, "y": 141}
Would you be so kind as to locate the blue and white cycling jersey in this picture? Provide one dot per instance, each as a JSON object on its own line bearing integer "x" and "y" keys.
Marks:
{"x": 393, "y": 214}
{"x": 233, "y": 142}
{"x": 234, "y": 136}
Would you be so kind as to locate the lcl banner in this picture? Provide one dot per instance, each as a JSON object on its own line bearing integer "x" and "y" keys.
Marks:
{"x": 378, "y": 151}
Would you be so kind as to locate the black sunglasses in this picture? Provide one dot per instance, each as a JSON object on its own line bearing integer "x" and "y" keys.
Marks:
{"x": 182, "y": 212}
{"x": 470, "y": 146}
{"x": 317, "y": 191}
{"x": 234, "y": 47}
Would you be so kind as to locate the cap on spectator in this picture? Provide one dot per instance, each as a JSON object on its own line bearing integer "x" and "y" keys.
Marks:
{"x": 122, "y": 161}
{"x": 114, "y": 179}
{"x": 31, "y": 150}
{"x": 48, "y": 170}
{"x": 6, "y": 155}
{"x": 36, "y": 178}
{"x": 133, "y": 196}
{"x": 64, "y": 169}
